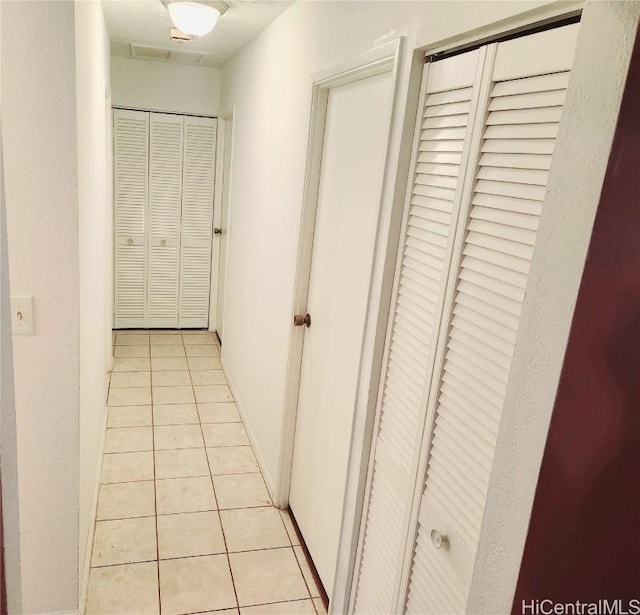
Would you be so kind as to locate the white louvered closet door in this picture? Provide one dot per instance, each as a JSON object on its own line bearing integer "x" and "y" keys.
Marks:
{"x": 165, "y": 195}
{"x": 526, "y": 80}
{"x": 449, "y": 102}
{"x": 197, "y": 220}
{"x": 131, "y": 137}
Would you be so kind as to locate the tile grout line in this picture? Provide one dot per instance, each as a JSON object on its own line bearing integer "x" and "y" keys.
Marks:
{"x": 155, "y": 485}
{"x": 215, "y": 496}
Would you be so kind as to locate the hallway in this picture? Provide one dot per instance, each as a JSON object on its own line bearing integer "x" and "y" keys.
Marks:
{"x": 184, "y": 520}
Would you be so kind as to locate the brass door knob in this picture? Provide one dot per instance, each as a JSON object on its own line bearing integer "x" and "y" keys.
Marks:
{"x": 299, "y": 320}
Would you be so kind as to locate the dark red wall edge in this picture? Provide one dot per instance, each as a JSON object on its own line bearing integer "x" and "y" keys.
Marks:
{"x": 584, "y": 535}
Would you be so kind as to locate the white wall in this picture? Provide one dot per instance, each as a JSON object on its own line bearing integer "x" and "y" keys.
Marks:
{"x": 95, "y": 233}
{"x": 165, "y": 86}
{"x": 39, "y": 124}
{"x": 269, "y": 84}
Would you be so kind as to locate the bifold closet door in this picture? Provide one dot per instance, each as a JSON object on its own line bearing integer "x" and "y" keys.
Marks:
{"x": 443, "y": 138}
{"x": 197, "y": 220}
{"x": 448, "y": 385}
{"x": 165, "y": 204}
{"x": 131, "y": 169}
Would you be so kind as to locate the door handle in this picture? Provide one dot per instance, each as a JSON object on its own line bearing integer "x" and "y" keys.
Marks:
{"x": 217, "y": 231}
{"x": 299, "y": 320}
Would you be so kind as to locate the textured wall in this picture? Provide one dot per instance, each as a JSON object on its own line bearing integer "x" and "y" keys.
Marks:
{"x": 39, "y": 125}
{"x": 165, "y": 86}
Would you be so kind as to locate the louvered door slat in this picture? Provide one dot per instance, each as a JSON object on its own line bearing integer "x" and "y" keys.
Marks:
{"x": 492, "y": 266}
{"x": 442, "y": 141}
{"x": 130, "y": 136}
{"x": 165, "y": 194}
{"x": 197, "y": 221}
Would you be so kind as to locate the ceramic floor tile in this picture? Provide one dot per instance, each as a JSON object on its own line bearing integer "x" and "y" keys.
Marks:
{"x": 171, "y": 379}
{"x": 198, "y": 363}
{"x": 296, "y": 607}
{"x": 131, "y": 365}
{"x": 131, "y": 589}
{"x": 218, "y": 412}
{"x": 173, "y": 395}
{"x": 163, "y": 364}
{"x": 131, "y": 351}
{"x": 202, "y": 350}
{"x": 128, "y": 416}
{"x": 181, "y": 463}
{"x": 224, "y": 434}
{"x": 175, "y": 495}
{"x": 199, "y": 338}
{"x": 320, "y": 610}
{"x": 249, "y": 529}
{"x": 167, "y": 350}
{"x": 208, "y": 376}
{"x": 241, "y": 491}
{"x": 213, "y": 393}
{"x": 126, "y": 467}
{"x": 175, "y": 414}
{"x": 130, "y": 379}
{"x": 166, "y": 338}
{"x": 306, "y": 572}
{"x": 288, "y": 524}
{"x": 132, "y": 339}
{"x": 126, "y": 500}
{"x": 267, "y": 576}
{"x": 232, "y": 460}
{"x": 190, "y": 534}
{"x": 195, "y": 584}
{"x": 131, "y": 396}
{"x": 177, "y": 436}
{"x": 128, "y": 440}
{"x": 125, "y": 541}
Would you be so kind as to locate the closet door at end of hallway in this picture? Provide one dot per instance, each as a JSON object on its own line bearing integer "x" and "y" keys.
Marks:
{"x": 165, "y": 189}
{"x": 197, "y": 221}
{"x": 131, "y": 143}
{"x": 527, "y": 83}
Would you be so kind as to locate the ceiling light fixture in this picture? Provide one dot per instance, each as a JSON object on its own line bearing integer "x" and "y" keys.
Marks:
{"x": 195, "y": 17}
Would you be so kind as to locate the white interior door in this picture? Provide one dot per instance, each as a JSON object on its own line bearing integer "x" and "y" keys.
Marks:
{"x": 353, "y": 159}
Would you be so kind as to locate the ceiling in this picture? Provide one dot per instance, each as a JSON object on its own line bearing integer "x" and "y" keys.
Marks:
{"x": 140, "y": 28}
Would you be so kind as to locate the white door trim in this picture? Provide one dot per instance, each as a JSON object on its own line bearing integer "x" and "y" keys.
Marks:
{"x": 379, "y": 60}
{"x": 217, "y": 214}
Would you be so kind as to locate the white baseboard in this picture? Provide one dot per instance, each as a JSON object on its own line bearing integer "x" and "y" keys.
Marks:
{"x": 86, "y": 565}
{"x": 243, "y": 415}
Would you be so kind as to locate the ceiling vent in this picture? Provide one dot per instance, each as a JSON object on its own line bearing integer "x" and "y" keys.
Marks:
{"x": 173, "y": 55}
{"x": 154, "y": 53}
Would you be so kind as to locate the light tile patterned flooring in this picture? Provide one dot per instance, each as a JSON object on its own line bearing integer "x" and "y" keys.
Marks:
{"x": 184, "y": 521}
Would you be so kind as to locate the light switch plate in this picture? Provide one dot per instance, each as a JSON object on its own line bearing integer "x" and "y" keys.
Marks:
{"x": 22, "y": 315}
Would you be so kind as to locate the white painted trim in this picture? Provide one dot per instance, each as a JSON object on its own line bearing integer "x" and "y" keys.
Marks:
{"x": 76, "y": 612}
{"x": 215, "y": 239}
{"x": 86, "y": 566}
{"x": 225, "y": 204}
{"x": 247, "y": 425}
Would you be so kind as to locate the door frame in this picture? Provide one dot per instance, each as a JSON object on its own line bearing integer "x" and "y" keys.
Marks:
{"x": 379, "y": 60}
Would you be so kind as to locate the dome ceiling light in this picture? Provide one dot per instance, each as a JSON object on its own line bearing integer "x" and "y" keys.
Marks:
{"x": 195, "y": 17}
